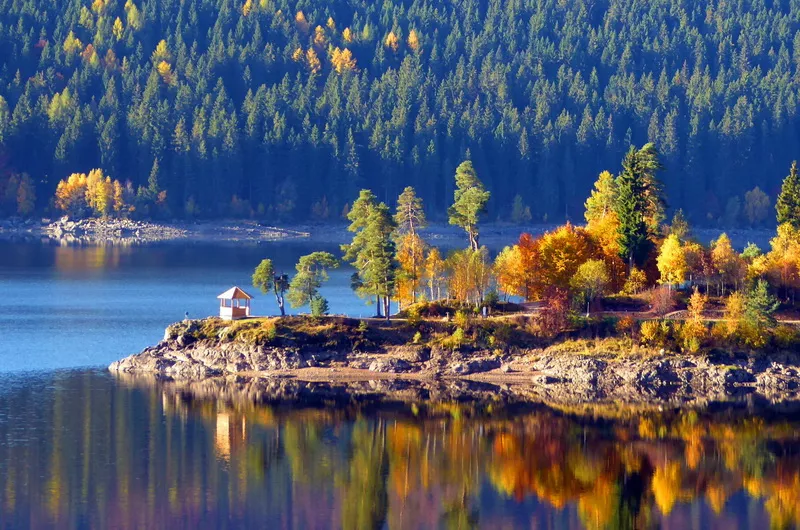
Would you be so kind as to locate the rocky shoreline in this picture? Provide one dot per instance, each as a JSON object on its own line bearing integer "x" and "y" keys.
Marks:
{"x": 532, "y": 375}
{"x": 128, "y": 231}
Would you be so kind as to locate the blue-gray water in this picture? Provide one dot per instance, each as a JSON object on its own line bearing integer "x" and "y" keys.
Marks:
{"x": 68, "y": 307}
{"x": 80, "y": 448}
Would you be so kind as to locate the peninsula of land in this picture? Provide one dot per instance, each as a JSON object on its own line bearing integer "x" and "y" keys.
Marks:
{"x": 592, "y": 365}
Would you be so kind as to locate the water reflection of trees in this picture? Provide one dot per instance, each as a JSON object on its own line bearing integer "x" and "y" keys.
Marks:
{"x": 98, "y": 454}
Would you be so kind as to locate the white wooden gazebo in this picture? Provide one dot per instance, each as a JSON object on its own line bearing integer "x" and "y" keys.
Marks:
{"x": 234, "y": 304}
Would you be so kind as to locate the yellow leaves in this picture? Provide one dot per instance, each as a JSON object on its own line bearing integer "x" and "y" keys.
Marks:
{"x": 434, "y": 273}
{"x": 99, "y": 5}
{"x": 782, "y": 263}
{"x": 247, "y": 8}
{"x": 161, "y": 53}
{"x": 414, "y": 40}
{"x": 411, "y": 257}
{"x": 165, "y": 71}
{"x": 392, "y": 42}
{"x": 118, "y": 29}
{"x": 671, "y": 261}
{"x": 72, "y": 44}
{"x": 562, "y": 252}
{"x": 342, "y": 60}
{"x": 95, "y": 192}
{"x": 320, "y": 39}
{"x": 347, "y": 35}
{"x": 508, "y": 271}
{"x": 134, "y": 16}
{"x": 302, "y": 23}
{"x": 331, "y": 24}
{"x": 298, "y": 54}
{"x": 313, "y": 62}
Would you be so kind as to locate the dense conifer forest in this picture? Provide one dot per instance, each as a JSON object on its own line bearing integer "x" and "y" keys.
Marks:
{"x": 284, "y": 110}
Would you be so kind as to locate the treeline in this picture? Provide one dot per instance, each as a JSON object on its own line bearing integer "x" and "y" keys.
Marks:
{"x": 626, "y": 249}
{"x": 283, "y": 110}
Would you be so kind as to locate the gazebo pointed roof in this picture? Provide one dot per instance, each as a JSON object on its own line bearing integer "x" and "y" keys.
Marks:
{"x": 234, "y": 293}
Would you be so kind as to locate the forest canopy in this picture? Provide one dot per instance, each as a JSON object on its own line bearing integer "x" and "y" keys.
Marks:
{"x": 285, "y": 110}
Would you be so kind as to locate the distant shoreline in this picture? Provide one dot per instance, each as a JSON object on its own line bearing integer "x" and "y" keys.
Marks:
{"x": 128, "y": 232}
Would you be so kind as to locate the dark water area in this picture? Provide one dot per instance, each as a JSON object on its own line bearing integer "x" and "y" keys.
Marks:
{"x": 72, "y": 306}
{"x": 81, "y": 449}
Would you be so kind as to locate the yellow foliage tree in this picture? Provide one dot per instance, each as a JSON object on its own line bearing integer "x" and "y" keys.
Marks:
{"x": 320, "y": 39}
{"x": 434, "y": 273}
{"x": 347, "y": 35}
{"x": 302, "y": 23}
{"x": 562, "y": 251}
{"x": 343, "y": 60}
{"x": 672, "y": 261}
{"x": 728, "y": 265}
{"x": 298, "y": 54}
{"x": 331, "y": 24}
{"x": 313, "y": 62}
{"x": 72, "y": 44}
{"x": 410, "y": 256}
{"x": 414, "y": 40}
{"x": 166, "y": 73}
{"x": 392, "y": 42}
{"x": 508, "y": 271}
{"x": 118, "y": 29}
{"x": 782, "y": 263}
{"x": 93, "y": 192}
{"x": 247, "y": 8}
{"x": 71, "y": 195}
{"x": 134, "y": 16}
{"x": 161, "y": 53}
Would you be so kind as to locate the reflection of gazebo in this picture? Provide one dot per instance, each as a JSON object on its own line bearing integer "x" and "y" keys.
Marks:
{"x": 234, "y": 304}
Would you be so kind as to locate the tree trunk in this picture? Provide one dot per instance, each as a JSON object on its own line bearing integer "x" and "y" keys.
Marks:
{"x": 279, "y": 298}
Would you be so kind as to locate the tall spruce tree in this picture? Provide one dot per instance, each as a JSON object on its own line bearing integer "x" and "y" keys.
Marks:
{"x": 638, "y": 204}
{"x": 470, "y": 202}
{"x": 788, "y": 205}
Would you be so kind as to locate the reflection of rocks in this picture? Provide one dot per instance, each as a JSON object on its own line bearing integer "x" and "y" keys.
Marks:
{"x": 664, "y": 378}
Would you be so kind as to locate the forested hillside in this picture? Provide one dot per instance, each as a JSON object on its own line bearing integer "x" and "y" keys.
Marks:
{"x": 284, "y": 110}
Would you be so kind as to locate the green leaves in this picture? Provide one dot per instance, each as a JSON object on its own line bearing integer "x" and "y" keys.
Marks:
{"x": 312, "y": 272}
{"x": 788, "y": 205}
{"x": 470, "y": 202}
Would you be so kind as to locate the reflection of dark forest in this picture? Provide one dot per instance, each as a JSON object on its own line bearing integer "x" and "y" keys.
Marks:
{"x": 81, "y": 450}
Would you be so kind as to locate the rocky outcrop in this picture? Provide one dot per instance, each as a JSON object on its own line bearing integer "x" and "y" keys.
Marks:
{"x": 563, "y": 378}
{"x": 104, "y": 230}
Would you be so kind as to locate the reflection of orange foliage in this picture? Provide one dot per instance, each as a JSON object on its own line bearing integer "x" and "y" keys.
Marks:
{"x": 716, "y": 497}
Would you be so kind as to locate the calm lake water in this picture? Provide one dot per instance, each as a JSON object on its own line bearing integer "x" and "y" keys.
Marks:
{"x": 84, "y": 450}
{"x": 68, "y": 307}
{"x": 80, "y": 448}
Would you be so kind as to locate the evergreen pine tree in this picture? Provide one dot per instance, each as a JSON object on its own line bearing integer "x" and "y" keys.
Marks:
{"x": 788, "y": 205}
{"x": 470, "y": 202}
